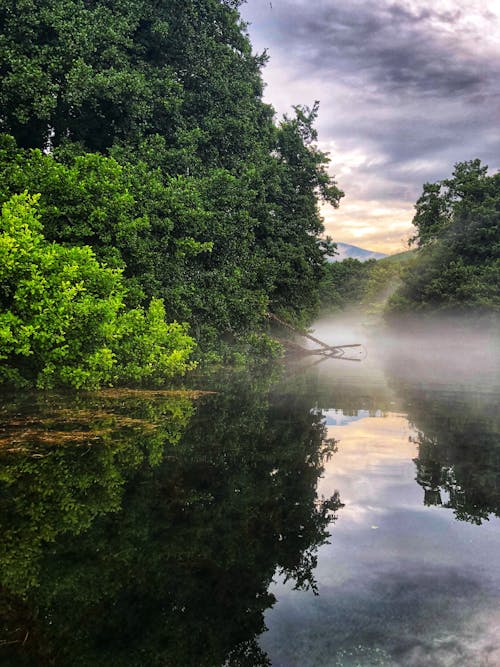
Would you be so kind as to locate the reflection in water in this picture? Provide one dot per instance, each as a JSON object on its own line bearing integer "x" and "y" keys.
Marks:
{"x": 161, "y": 531}
{"x": 150, "y": 534}
{"x": 65, "y": 464}
{"x": 404, "y": 583}
{"x": 458, "y": 463}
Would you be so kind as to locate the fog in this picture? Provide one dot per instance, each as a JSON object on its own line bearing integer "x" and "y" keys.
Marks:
{"x": 440, "y": 352}
{"x": 411, "y": 575}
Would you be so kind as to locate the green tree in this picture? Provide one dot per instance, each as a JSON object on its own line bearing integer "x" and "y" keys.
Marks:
{"x": 291, "y": 234}
{"x": 157, "y": 230}
{"x": 80, "y": 71}
{"x": 179, "y": 75}
{"x": 344, "y": 283}
{"x": 128, "y": 214}
{"x": 62, "y": 315}
{"x": 190, "y": 160}
{"x": 457, "y": 266}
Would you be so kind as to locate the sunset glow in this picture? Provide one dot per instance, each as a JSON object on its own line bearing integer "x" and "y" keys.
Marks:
{"x": 406, "y": 90}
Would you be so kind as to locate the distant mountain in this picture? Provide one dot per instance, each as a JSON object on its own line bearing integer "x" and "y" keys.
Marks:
{"x": 345, "y": 250}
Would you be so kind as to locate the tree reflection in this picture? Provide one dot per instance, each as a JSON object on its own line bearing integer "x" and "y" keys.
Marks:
{"x": 458, "y": 463}
{"x": 66, "y": 460}
{"x": 165, "y": 559}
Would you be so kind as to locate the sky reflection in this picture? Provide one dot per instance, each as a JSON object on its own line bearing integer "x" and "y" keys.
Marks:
{"x": 400, "y": 583}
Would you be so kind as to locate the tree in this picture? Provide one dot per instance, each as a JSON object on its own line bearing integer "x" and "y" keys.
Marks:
{"x": 80, "y": 71}
{"x": 344, "y": 283}
{"x": 178, "y": 74}
{"x": 458, "y": 235}
{"x": 131, "y": 217}
{"x": 143, "y": 127}
{"x": 62, "y": 315}
{"x": 291, "y": 233}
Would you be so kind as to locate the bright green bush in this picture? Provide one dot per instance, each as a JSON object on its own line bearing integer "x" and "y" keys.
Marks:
{"x": 62, "y": 315}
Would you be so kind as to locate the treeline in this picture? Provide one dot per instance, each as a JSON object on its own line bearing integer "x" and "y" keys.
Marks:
{"x": 457, "y": 264}
{"x": 355, "y": 285}
{"x": 454, "y": 267}
{"x": 163, "y": 182}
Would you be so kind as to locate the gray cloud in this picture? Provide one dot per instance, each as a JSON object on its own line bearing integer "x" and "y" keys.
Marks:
{"x": 386, "y": 45}
{"x": 407, "y": 88}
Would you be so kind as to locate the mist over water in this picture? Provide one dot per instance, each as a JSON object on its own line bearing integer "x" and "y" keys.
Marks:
{"x": 412, "y": 574}
{"x": 441, "y": 352}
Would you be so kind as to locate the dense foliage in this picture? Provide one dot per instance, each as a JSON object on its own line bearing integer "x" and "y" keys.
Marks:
{"x": 352, "y": 284}
{"x": 457, "y": 267}
{"x": 344, "y": 283}
{"x": 62, "y": 315}
{"x": 143, "y": 128}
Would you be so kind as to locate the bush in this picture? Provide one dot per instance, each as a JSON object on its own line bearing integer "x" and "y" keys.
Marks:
{"x": 62, "y": 315}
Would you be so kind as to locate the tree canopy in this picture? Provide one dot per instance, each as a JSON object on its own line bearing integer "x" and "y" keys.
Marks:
{"x": 143, "y": 128}
{"x": 62, "y": 315}
{"x": 457, "y": 266}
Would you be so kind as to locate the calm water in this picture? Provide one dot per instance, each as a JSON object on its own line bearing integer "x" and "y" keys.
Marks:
{"x": 340, "y": 513}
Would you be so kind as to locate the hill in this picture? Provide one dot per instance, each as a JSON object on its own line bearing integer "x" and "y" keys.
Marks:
{"x": 399, "y": 257}
{"x": 345, "y": 250}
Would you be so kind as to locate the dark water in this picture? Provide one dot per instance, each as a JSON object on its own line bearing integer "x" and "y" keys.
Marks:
{"x": 336, "y": 514}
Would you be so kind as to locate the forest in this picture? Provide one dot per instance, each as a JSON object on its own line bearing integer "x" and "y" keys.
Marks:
{"x": 452, "y": 267}
{"x": 155, "y": 210}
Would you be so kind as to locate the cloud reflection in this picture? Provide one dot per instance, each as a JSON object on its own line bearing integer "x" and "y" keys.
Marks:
{"x": 400, "y": 584}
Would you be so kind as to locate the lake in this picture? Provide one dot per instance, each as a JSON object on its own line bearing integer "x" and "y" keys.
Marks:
{"x": 312, "y": 514}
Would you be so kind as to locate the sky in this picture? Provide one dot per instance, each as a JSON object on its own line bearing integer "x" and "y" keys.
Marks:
{"x": 407, "y": 88}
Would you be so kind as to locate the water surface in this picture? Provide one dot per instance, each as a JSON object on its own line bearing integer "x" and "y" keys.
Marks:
{"x": 322, "y": 514}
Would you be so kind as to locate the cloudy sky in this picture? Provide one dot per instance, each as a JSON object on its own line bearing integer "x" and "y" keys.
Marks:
{"x": 407, "y": 88}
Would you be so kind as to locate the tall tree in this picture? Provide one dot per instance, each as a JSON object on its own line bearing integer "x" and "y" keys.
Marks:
{"x": 202, "y": 199}
{"x": 457, "y": 266}
{"x": 291, "y": 233}
{"x": 104, "y": 73}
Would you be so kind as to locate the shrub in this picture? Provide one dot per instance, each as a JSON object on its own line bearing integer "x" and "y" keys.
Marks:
{"x": 63, "y": 319}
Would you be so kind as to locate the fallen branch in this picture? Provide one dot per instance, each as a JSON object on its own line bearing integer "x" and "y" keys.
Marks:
{"x": 332, "y": 351}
